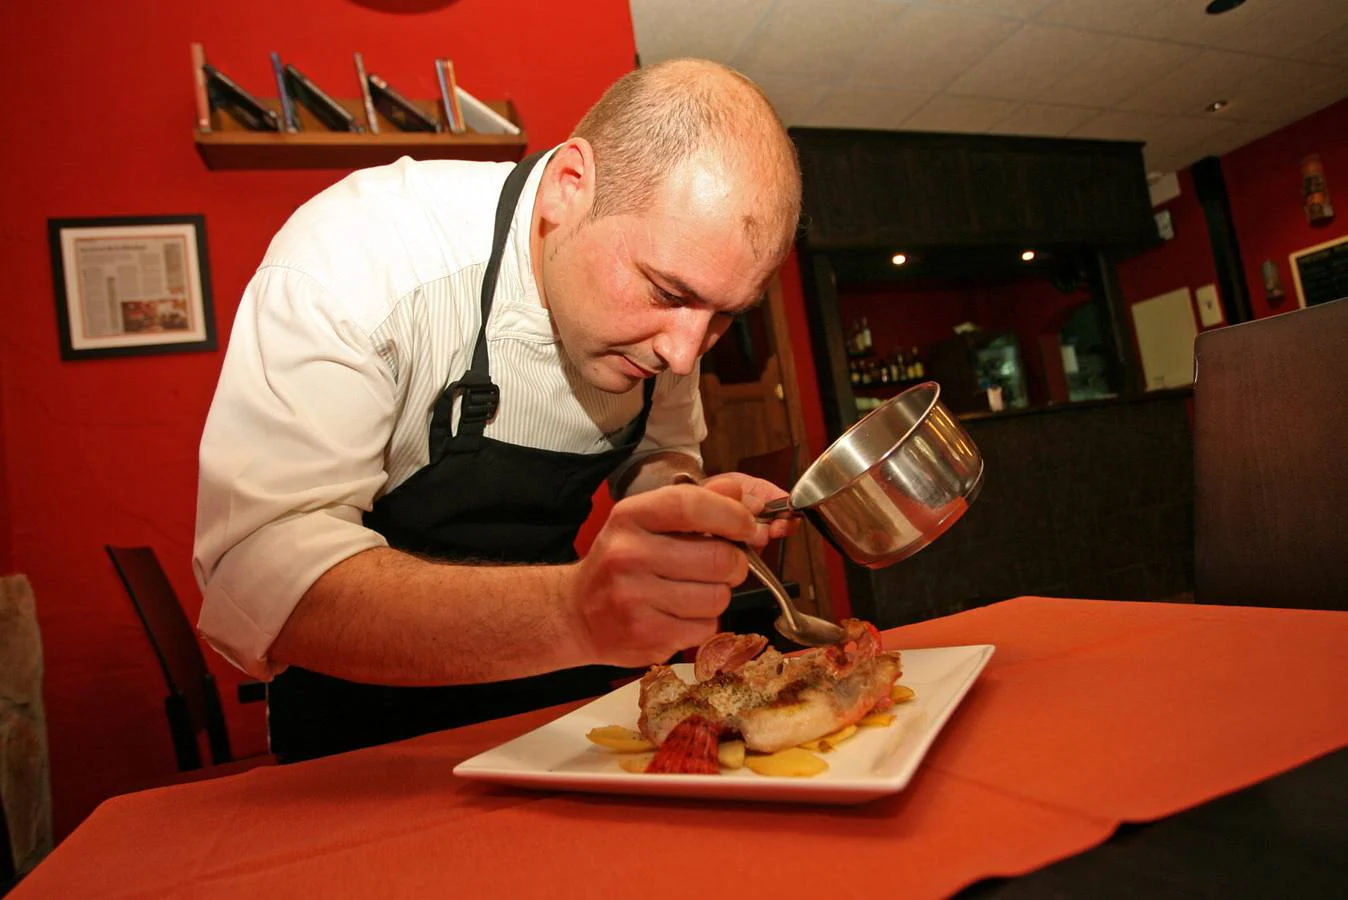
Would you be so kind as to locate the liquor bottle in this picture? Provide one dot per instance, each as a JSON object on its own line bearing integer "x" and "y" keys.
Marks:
{"x": 919, "y": 370}
{"x": 866, "y": 344}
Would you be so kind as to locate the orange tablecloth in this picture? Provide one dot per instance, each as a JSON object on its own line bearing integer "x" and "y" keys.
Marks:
{"x": 1091, "y": 713}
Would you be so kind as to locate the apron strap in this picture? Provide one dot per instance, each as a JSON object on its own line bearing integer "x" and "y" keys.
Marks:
{"x": 480, "y": 396}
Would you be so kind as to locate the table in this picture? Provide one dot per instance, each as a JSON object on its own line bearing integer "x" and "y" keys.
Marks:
{"x": 1090, "y": 715}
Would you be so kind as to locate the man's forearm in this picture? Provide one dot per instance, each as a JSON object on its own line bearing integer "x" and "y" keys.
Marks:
{"x": 657, "y": 470}
{"x": 385, "y": 617}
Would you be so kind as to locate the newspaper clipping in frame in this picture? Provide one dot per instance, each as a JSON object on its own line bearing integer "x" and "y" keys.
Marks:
{"x": 134, "y": 288}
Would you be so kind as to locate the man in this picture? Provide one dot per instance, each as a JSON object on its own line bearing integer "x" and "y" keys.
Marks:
{"x": 432, "y": 371}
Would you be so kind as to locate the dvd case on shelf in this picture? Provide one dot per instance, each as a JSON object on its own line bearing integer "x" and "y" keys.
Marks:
{"x": 327, "y": 110}
{"x": 449, "y": 96}
{"x": 289, "y": 119}
{"x": 243, "y": 106}
{"x": 371, "y": 120}
{"x": 482, "y": 118}
{"x": 199, "y": 87}
{"x": 398, "y": 109}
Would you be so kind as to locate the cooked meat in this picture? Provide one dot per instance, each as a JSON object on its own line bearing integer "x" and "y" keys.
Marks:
{"x": 773, "y": 701}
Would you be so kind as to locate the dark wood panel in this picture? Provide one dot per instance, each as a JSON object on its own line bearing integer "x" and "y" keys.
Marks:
{"x": 869, "y": 189}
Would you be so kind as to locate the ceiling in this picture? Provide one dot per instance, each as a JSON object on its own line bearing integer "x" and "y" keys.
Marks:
{"x": 1116, "y": 69}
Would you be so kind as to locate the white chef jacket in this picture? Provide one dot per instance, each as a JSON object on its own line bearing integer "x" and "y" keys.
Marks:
{"x": 365, "y": 307}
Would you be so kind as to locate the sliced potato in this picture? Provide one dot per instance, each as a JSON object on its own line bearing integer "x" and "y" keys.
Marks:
{"x": 624, "y": 740}
{"x": 790, "y": 763}
{"x": 901, "y": 693}
{"x": 826, "y": 743}
{"x": 730, "y": 754}
{"x": 877, "y": 719}
{"x": 636, "y": 762}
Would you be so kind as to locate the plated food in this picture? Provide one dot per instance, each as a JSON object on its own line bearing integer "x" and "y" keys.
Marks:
{"x": 753, "y": 707}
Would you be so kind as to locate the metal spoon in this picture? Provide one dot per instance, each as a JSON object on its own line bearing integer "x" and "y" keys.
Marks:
{"x": 792, "y": 624}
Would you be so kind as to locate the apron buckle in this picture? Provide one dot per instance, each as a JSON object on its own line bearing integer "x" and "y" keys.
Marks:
{"x": 480, "y": 401}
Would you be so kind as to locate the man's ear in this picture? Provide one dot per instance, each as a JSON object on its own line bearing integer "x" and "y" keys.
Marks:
{"x": 566, "y": 191}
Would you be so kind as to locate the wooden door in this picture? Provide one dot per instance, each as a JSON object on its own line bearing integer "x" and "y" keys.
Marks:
{"x": 752, "y": 405}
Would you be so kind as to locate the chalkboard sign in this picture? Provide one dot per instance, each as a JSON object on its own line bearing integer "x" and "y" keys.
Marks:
{"x": 1321, "y": 272}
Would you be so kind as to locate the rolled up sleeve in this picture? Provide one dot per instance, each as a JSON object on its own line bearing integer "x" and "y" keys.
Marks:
{"x": 291, "y": 457}
{"x": 675, "y": 424}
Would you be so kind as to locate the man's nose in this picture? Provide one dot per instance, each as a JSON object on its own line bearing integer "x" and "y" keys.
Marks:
{"x": 683, "y": 341}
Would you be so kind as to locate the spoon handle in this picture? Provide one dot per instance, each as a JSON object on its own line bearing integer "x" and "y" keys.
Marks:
{"x": 769, "y": 579}
{"x": 780, "y": 508}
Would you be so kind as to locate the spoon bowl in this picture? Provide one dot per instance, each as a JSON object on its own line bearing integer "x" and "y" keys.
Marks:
{"x": 792, "y": 624}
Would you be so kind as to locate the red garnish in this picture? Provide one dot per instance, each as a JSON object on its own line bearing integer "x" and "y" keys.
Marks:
{"x": 690, "y": 749}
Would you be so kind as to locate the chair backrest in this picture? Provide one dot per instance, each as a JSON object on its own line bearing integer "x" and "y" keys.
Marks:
{"x": 193, "y": 701}
{"x": 1270, "y": 487}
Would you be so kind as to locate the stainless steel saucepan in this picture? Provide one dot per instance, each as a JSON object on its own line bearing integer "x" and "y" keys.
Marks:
{"x": 893, "y": 483}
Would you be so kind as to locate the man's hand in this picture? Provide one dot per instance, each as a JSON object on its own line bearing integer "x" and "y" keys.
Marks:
{"x": 660, "y": 571}
{"x": 755, "y": 494}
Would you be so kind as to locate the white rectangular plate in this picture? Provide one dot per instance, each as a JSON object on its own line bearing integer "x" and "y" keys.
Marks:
{"x": 876, "y": 762}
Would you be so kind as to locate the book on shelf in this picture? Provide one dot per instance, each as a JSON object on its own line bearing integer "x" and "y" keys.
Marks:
{"x": 449, "y": 96}
{"x": 289, "y": 120}
{"x": 398, "y": 109}
{"x": 371, "y": 120}
{"x": 327, "y": 110}
{"x": 225, "y": 94}
{"x": 482, "y": 118}
{"x": 199, "y": 88}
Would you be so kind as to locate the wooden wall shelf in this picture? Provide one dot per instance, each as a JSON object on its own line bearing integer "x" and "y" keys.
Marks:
{"x": 231, "y": 146}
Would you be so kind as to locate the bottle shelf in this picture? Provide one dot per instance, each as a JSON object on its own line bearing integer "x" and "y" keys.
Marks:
{"x": 888, "y": 389}
{"x": 229, "y": 145}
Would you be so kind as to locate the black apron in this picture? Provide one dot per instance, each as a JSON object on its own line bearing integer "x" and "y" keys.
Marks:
{"x": 478, "y": 499}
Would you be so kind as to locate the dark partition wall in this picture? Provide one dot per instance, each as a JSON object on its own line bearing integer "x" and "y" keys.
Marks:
{"x": 1090, "y": 501}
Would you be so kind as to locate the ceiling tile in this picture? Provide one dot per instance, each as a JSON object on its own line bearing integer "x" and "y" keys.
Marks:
{"x": 1029, "y": 61}
{"x": 949, "y": 113}
{"x": 823, "y": 40}
{"x": 847, "y": 106}
{"x": 1101, "y": 15}
{"x": 1019, "y": 9}
{"x": 1118, "y": 125}
{"x": 1278, "y": 29}
{"x": 1208, "y": 76}
{"x": 1120, "y": 69}
{"x": 1043, "y": 119}
{"x": 1185, "y": 22}
{"x": 793, "y": 98}
{"x": 666, "y": 29}
{"x": 1123, "y": 69}
{"x": 1286, "y": 91}
{"x": 1329, "y": 48}
{"x": 1239, "y": 134}
{"x": 926, "y": 48}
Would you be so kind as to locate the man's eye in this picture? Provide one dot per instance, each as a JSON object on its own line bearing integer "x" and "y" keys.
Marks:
{"x": 667, "y": 298}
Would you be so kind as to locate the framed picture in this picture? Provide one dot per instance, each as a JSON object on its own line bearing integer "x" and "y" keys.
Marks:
{"x": 131, "y": 286}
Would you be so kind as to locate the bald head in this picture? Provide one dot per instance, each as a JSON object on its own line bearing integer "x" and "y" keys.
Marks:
{"x": 658, "y": 118}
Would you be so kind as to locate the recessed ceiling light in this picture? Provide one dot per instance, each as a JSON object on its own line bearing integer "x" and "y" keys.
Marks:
{"x": 1027, "y": 255}
{"x": 1216, "y": 105}
{"x": 1217, "y": 7}
{"x": 899, "y": 259}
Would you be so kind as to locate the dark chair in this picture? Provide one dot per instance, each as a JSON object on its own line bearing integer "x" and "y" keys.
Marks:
{"x": 1270, "y": 486}
{"x": 193, "y": 701}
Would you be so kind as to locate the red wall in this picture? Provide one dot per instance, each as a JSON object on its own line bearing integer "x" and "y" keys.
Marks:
{"x": 102, "y": 452}
{"x": 1264, "y": 181}
{"x": 1184, "y": 261}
